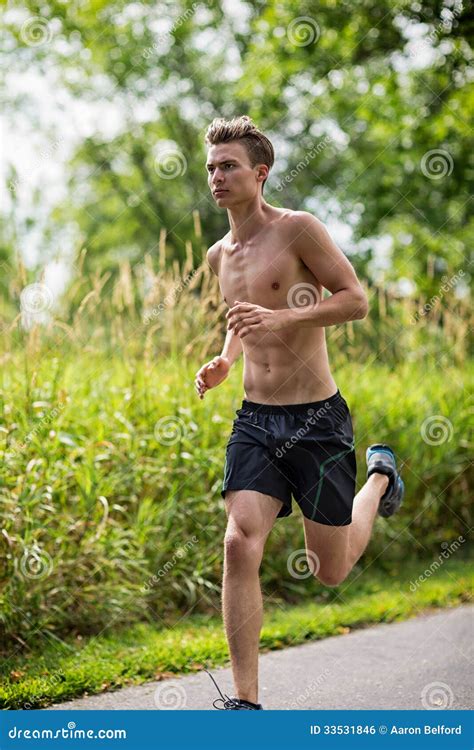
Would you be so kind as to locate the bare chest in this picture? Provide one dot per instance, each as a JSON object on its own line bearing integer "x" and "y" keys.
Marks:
{"x": 266, "y": 274}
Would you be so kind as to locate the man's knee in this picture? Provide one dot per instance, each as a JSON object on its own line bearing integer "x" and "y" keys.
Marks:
{"x": 331, "y": 576}
{"x": 241, "y": 549}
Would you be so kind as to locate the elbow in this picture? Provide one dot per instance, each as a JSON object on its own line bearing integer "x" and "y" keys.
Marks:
{"x": 362, "y": 306}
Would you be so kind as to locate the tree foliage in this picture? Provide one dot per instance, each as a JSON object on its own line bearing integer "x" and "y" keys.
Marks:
{"x": 367, "y": 104}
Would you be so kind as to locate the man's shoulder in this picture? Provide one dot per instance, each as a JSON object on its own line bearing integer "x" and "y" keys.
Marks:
{"x": 302, "y": 218}
{"x": 214, "y": 254}
{"x": 300, "y": 224}
{"x": 296, "y": 220}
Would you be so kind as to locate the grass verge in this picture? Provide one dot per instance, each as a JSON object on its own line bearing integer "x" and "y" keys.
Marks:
{"x": 51, "y": 672}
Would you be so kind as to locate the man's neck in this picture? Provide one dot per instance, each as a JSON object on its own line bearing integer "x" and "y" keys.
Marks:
{"x": 247, "y": 219}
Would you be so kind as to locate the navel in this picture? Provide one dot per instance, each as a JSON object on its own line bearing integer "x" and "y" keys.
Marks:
{"x": 275, "y": 285}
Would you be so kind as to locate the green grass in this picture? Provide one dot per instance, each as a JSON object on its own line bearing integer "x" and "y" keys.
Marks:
{"x": 99, "y": 500}
{"x": 53, "y": 670}
{"x": 111, "y": 467}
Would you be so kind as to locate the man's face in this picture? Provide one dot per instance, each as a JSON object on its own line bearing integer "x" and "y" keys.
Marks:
{"x": 229, "y": 170}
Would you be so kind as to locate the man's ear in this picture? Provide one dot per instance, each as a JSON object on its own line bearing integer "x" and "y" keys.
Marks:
{"x": 262, "y": 172}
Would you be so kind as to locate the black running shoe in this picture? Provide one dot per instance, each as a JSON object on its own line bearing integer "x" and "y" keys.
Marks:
{"x": 233, "y": 704}
{"x": 381, "y": 459}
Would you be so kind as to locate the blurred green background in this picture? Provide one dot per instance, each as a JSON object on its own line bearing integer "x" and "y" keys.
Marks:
{"x": 110, "y": 465}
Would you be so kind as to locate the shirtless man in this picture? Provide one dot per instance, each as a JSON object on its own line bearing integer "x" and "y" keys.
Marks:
{"x": 293, "y": 434}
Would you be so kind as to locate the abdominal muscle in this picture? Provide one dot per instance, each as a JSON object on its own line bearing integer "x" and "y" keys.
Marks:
{"x": 287, "y": 367}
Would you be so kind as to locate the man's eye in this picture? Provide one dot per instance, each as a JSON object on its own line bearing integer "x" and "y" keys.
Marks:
{"x": 229, "y": 165}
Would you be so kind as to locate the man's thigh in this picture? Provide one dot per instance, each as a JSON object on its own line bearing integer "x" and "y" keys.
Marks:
{"x": 330, "y": 544}
{"x": 251, "y": 513}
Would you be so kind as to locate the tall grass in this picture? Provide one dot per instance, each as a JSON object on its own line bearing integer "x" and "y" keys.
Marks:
{"x": 111, "y": 466}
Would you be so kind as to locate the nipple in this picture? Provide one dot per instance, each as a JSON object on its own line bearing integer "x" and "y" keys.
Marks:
{"x": 275, "y": 285}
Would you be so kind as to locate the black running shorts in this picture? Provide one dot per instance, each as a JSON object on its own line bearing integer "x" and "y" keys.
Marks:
{"x": 304, "y": 450}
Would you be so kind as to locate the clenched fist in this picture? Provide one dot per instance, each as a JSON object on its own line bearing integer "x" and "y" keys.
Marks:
{"x": 211, "y": 374}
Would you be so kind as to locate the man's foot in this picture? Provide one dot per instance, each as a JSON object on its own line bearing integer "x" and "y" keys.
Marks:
{"x": 381, "y": 459}
{"x": 233, "y": 704}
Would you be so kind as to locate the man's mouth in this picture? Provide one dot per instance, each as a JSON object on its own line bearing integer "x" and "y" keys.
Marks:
{"x": 219, "y": 191}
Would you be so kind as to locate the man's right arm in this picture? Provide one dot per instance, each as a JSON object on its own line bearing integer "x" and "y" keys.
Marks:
{"x": 214, "y": 372}
{"x": 232, "y": 348}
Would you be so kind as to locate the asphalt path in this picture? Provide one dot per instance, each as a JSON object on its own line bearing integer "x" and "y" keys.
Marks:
{"x": 422, "y": 663}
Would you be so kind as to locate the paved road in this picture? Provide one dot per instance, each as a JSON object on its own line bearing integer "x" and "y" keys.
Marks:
{"x": 423, "y": 662}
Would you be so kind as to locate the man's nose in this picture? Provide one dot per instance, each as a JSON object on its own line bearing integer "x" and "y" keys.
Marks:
{"x": 217, "y": 178}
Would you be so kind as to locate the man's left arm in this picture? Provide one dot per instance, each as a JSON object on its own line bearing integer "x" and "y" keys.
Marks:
{"x": 330, "y": 266}
{"x": 333, "y": 270}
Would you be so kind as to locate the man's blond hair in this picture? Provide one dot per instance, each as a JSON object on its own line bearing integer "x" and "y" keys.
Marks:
{"x": 258, "y": 146}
